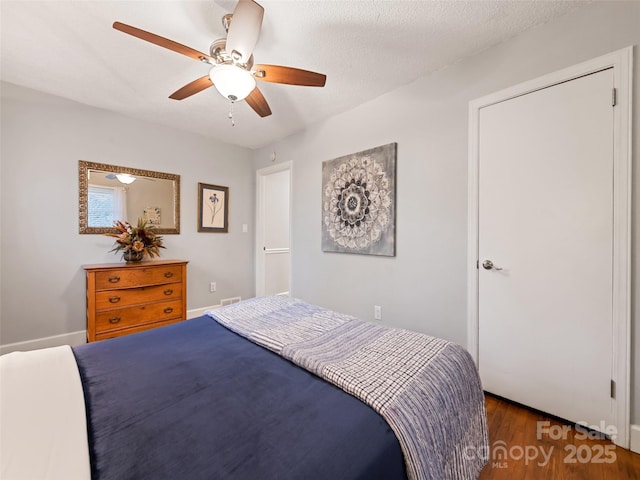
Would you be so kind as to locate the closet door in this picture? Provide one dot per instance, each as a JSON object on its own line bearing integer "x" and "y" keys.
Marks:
{"x": 545, "y": 243}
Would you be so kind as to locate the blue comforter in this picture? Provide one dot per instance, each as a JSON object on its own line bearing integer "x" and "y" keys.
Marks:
{"x": 195, "y": 401}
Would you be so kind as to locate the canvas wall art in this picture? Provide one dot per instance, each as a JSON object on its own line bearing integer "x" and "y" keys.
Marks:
{"x": 358, "y": 202}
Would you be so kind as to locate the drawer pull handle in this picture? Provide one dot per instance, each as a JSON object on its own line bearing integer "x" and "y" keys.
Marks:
{"x": 168, "y": 291}
{"x": 114, "y": 279}
{"x": 168, "y": 310}
{"x": 114, "y": 320}
{"x": 168, "y": 274}
{"x": 115, "y": 299}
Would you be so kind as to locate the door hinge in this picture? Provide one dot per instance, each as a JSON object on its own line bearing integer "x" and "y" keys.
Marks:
{"x": 614, "y": 97}
{"x": 613, "y": 389}
{"x": 477, "y": 264}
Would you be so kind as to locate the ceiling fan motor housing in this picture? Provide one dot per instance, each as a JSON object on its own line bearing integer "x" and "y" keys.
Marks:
{"x": 218, "y": 52}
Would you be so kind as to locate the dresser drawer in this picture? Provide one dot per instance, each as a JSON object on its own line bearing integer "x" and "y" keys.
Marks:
{"x": 120, "y": 318}
{"x": 140, "y": 328}
{"x": 137, "y": 277}
{"x": 108, "y": 299}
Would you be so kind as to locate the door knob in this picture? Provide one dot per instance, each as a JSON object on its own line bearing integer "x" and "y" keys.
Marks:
{"x": 488, "y": 265}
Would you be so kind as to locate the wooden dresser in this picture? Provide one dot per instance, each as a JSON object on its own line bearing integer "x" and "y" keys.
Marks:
{"x": 124, "y": 298}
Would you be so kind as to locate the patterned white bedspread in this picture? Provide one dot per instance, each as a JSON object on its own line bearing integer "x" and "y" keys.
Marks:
{"x": 426, "y": 388}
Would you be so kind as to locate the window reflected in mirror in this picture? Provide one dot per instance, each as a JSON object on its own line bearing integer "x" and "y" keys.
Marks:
{"x": 109, "y": 193}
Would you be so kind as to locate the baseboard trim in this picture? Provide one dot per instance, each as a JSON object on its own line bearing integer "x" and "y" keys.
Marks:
{"x": 635, "y": 439}
{"x": 198, "y": 312}
{"x": 73, "y": 338}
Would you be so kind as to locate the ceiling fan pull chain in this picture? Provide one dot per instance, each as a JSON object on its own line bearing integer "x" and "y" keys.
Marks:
{"x": 233, "y": 124}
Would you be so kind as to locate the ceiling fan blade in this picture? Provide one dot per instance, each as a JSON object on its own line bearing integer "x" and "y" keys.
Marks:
{"x": 244, "y": 29}
{"x": 257, "y": 101}
{"x": 192, "y": 88}
{"x": 163, "y": 42}
{"x": 289, "y": 76}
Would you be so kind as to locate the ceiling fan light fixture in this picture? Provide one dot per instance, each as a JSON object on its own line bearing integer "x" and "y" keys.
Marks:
{"x": 232, "y": 82}
{"x": 125, "y": 178}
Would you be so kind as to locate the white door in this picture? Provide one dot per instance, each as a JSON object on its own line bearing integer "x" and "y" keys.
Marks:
{"x": 273, "y": 255}
{"x": 545, "y": 220}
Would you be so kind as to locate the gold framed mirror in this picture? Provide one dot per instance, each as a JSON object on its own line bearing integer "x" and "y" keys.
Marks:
{"x": 110, "y": 192}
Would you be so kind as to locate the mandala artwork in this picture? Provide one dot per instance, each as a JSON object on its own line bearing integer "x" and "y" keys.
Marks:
{"x": 358, "y": 202}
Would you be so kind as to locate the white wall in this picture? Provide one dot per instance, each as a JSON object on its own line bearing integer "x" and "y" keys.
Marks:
{"x": 424, "y": 286}
{"x": 41, "y": 254}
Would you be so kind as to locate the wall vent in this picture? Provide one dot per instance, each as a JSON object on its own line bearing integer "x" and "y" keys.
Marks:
{"x": 229, "y": 301}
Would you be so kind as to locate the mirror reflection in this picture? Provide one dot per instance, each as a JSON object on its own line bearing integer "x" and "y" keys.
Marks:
{"x": 110, "y": 192}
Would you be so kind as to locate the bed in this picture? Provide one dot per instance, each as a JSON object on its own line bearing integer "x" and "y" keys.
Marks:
{"x": 268, "y": 388}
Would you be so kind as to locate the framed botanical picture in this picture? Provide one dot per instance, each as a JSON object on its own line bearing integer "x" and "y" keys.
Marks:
{"x": 213, "y": 208}
{"x": 152, "y": 215}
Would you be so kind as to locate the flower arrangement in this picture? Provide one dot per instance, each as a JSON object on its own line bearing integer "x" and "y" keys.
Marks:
{"x": 136, "y": 242}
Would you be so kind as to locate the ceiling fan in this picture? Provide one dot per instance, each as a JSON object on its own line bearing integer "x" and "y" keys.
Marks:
{"x": 233, "y": 72}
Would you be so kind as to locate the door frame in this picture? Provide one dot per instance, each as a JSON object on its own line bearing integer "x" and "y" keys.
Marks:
{"x": 622, "y": 63}
{"x": 259, "y": 254}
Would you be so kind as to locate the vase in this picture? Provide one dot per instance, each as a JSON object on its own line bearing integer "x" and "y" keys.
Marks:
{"x": 131, "y": 256}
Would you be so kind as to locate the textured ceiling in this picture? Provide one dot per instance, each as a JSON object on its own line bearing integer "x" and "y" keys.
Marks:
{"x": 365, "y": 47}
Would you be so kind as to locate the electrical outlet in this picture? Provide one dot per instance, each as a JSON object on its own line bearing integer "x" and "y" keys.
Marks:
{"x": 212, "y": 287}
{"x": 377, "y": 312}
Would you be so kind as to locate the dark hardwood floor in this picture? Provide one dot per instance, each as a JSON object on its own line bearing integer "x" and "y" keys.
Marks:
{"x": 537, "y": 446}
